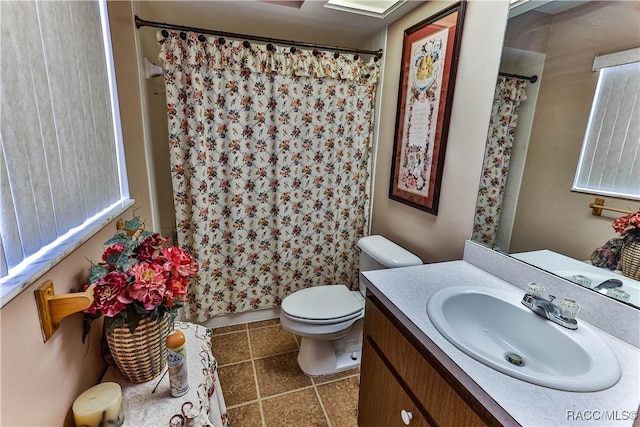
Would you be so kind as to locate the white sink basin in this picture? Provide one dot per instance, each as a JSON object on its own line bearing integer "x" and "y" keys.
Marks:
{"x": 492, "y": 325}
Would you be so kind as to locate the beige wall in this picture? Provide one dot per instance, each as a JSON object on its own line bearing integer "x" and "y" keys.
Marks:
{"x": 549, "y": 215}
{"x": 442, "y": 237}
{"x": 529, "y": 31}
{"x": 157, "y": 135}
{"x": 129, "y": 80}
{"x": 40, "y": 380}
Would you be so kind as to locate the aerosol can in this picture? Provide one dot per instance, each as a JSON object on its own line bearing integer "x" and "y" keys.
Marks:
{"x": 177, "y": 361}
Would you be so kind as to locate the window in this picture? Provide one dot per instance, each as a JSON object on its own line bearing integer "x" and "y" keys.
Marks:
{"x": 610, "y": 159}
{"x": 61, "y": 164}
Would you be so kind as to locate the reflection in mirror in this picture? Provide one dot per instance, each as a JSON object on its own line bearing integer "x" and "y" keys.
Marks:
{"x": 526, "y": 206}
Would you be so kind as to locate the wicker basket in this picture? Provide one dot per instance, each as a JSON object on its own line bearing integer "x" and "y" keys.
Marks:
{"x": 630, "y": 259}
{"x": 142, "y": 355}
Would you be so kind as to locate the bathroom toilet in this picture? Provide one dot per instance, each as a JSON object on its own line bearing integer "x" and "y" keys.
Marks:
{"x": 329, "y": 318}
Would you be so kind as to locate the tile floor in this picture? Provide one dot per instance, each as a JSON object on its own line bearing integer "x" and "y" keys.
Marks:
{"x": 264, "y": 387}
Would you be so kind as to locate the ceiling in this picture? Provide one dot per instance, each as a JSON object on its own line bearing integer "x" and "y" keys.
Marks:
{"x": 550, "y": 7}
{"x": 310, "y": 22}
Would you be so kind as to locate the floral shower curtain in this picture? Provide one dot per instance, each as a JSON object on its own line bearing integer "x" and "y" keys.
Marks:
{"x": 270, "y": 159}
{"x": 502, "y": 129}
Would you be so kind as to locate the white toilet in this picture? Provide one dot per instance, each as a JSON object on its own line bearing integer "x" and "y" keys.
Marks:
{"x": 329, "y": 318}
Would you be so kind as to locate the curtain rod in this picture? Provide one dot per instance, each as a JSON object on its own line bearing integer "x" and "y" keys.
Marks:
{"x": 531, "y": 79}
{"x": 143, "y": 23}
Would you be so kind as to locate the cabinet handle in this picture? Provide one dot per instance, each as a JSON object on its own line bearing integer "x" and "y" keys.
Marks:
{"x": 406, "y": 417}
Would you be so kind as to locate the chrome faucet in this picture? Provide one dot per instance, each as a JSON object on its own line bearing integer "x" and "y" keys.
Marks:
{"x": 563, "y": 313}
{"x": 609, "y": 284}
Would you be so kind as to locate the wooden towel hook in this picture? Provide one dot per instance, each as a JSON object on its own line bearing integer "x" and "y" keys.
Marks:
{"x": 53, "y": 308}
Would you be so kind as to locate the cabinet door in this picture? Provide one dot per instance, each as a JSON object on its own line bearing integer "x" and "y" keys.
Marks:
{"x": 382, "y": 398}
{"x": 440, "y": 402}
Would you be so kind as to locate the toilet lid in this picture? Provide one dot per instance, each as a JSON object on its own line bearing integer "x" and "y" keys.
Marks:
{"x": 322, "y": 303}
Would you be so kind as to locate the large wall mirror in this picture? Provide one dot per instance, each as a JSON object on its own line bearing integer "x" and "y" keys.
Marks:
{"x": 541, "y": 220}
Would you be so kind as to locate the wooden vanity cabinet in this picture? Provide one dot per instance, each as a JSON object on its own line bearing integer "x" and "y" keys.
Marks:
{"x": 400, "y": 372}
{"x": 382, "y": 398}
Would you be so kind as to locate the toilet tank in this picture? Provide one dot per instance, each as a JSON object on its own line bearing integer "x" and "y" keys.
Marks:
{"x": 377, "y": 253}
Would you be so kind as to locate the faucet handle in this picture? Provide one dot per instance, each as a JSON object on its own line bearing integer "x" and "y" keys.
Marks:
{"x": 535, "y": 289}
{"x": 568, "y": 308}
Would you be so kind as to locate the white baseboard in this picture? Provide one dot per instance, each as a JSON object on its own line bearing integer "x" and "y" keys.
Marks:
{"x": 245, "y": 317}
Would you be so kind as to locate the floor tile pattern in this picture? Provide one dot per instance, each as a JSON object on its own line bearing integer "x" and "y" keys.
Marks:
{"x": 264, "y": 387}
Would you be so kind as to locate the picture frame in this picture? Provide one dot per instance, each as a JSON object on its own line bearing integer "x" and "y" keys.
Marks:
{"x": 430, "y": 54}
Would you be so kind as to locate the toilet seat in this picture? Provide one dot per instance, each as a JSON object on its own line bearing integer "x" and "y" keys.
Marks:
{"x": 323, "y": 305}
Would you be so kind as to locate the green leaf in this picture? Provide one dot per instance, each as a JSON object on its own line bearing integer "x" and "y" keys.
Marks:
{"x": 156, "y": 313}
{"x": 133, "y": 320}
{"x": 110, "y": 323}
{"x": 146, "y": 234}
{"x": 139, "y": 309}
{"x": 125, "y": 263}
{"x": 86, "y": 324}
{"x": 133, "y": 224}
{"x": 96, "y": 272}
{"x": 113, "y": 259}
{"x": 119, "y": 237}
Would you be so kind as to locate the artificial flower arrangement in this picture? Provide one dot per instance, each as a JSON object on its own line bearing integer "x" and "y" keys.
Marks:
{"x": 628, "y": 226}
{"x": 138, "y": 276}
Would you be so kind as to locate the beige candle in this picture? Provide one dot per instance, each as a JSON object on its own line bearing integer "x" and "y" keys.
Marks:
{"x": 101, "y": 405}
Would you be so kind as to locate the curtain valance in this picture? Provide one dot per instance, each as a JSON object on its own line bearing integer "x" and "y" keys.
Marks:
{"x": 258, "y": 58}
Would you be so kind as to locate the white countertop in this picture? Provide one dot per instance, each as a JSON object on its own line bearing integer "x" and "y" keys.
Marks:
{"x": 529, "y": 404}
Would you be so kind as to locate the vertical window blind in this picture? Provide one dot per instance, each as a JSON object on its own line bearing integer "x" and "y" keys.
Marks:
{"x": 610, "y": 159}
{"x": 61, "y": 166}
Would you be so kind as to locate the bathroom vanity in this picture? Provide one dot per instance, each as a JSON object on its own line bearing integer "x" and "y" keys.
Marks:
{"x": 404, "y": 375}
{"x": 412, "y": 375}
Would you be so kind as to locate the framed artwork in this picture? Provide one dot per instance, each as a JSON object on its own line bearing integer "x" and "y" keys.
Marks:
{"x": 429, "y": 62}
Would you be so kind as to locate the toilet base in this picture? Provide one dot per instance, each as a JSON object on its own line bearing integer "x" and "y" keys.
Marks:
{"x": 329, "y": 357}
